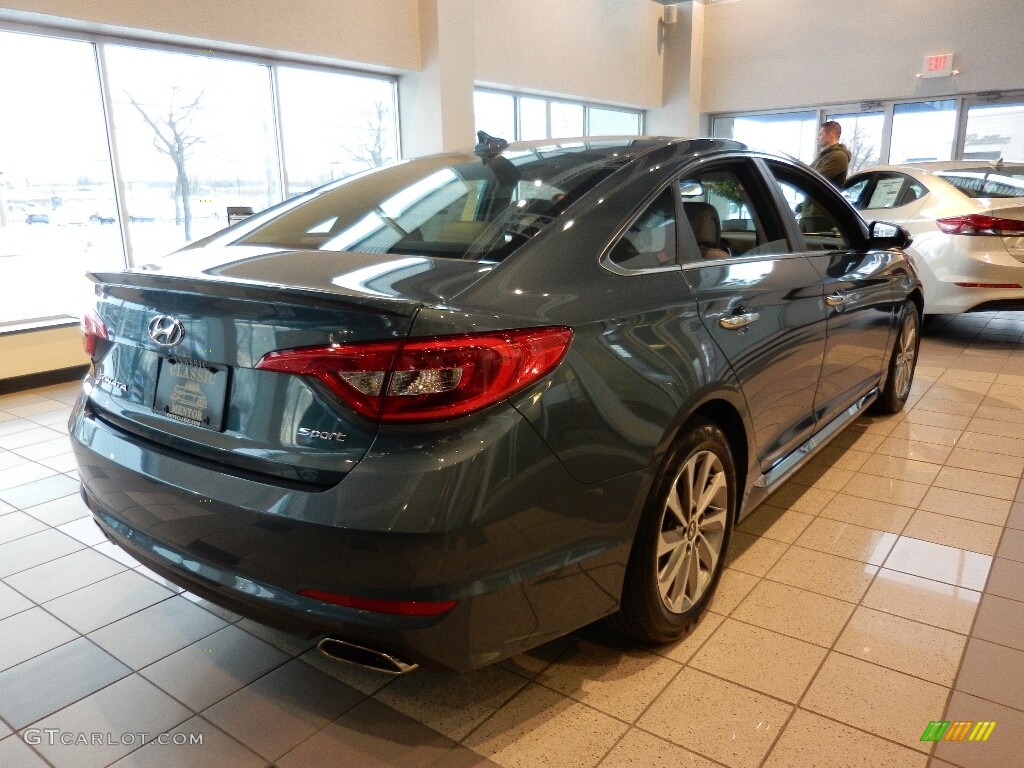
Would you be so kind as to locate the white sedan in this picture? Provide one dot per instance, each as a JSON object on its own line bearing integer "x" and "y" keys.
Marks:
{"x": 967, "y": 221}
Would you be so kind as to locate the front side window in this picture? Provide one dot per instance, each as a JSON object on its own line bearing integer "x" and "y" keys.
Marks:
{"x": 820, "y": 216}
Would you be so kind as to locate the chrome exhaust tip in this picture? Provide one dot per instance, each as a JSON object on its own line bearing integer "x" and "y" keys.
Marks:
{"x": 361, "y": 656}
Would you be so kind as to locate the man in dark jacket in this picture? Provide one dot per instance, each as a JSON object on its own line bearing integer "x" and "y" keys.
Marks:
{"x": 833, "y": 161}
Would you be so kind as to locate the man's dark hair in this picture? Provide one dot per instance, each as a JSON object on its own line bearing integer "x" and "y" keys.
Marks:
{"x": 833, "y": 127}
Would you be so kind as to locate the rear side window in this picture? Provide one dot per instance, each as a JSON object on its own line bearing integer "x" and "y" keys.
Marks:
{"x": 650, "y": 241}
{"x": 893, "y": 190}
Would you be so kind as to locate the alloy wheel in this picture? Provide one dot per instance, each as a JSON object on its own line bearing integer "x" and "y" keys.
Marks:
{"x": 905, "y": 355}
{"x": 692, "y": 531}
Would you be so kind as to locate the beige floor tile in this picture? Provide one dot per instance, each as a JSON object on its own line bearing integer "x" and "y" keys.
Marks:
{"x": 1003, "y": 747}
{"x": 954, "y": 532}
{"x": 993, "y": 672}
{"x": 753, "y": 554}
{"x": 921, "y": 433}
{"x": 901, "y": 469}
{"x": 996, "y": 428}
{"x": 794, "y": 612}
{"x": 452, "y": 704}
{"x": 793, "y": 662}
{"x": 924, "y": 600}
{"x": 541, "y": 727}
{"x": 642, "y": 750}
{"x": 902, "y": 448}
{"x": 934, "y": 419}
{"x": 952, "y": 565}
{"x": 825, "y": 478}
{"x": 833, "y": 455}
{"x": 917, "y": 649}
{"x": 800, "y": 498}
{"x": 980, "y": 442}
{"x": 960, "y": 392}
{"x": 732, "y": 588}
{"x": 967, "y": 506}
{"x": 875, "y": 699}
{"x": 847, "y": 540}
{"x": 825, "y": 574}
{"x": 960, "y": 374}
{"x": 859, "y": 440}
{"x": 1000, "y": 621}
{"x": 812, "y": 741}
{"x": 716, "y": 718}
{"x": 952, "y": 407}
{"x": 776, "y": 523}
{"x": 613, "y": 676}
{"x": 977, "y": 483}
{"x": 986, "y": 461}
{"x": 868, "y": 513}
{"x": 887, "y": 489}
{"x": 875, "y": 425}
{"x": 683, "y": 650}
{"x": 997, "y": 410}
{"x": 1006, "y": 579}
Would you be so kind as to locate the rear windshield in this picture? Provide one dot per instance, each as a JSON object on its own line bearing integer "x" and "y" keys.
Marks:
{"x": 457, "y": 206}
{"x": 976, "y": 182}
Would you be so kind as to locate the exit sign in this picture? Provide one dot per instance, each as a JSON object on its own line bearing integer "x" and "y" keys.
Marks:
{"x": 939, "y": 65}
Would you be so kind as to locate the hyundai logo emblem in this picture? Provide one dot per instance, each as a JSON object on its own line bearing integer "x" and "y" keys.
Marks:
{"x": 166, "y": 331}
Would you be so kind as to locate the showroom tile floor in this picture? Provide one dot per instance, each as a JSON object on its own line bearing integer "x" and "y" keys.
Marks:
{"x": 882, "y": 588}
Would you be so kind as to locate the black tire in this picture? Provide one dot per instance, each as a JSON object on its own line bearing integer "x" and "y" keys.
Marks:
{"x": 902, "y": 362}
{"x": 654, "y": 612}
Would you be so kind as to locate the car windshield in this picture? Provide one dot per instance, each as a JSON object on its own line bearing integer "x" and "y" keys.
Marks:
{"x": 456, "y": 206}
{"x": 1007, "y": 181}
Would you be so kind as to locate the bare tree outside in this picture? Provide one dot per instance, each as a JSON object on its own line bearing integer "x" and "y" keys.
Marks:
{"x": 862, "y": 149}
{"x": 173, "y": 137}
{"x": 372, "y": 146}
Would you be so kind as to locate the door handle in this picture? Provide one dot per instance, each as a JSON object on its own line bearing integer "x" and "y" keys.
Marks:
{"x": 839, "y": 298}
{"x": 742, "y": 320}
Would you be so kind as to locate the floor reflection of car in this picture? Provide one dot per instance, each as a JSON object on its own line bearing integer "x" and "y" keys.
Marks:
{"x": 37, "y": 218}
{"x": 190, "y": 395}
{"x": 967, "y": 221}
{"x": 476, "y": 401}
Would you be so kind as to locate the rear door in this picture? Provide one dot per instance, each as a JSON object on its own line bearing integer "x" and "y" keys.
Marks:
{"x": 759, "y": 300}
{"x": 859, "y": 286}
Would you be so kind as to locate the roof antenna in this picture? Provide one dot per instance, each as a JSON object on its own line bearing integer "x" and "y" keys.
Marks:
{"x": 488, "y": 146}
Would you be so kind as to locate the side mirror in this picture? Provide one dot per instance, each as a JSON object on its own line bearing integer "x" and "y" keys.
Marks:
{"x": 883, "y": 235}
{"x": 691, "y": 189}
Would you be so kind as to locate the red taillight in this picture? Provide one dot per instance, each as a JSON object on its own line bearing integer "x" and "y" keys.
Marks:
{"x": 980, "y": 224}
{"x": 93, "y": 330}
{"x": 397, "y": 607}
{"x": 428, "y": 379}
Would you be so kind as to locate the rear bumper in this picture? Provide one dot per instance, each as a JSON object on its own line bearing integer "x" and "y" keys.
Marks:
{"x": 528, "y": 552}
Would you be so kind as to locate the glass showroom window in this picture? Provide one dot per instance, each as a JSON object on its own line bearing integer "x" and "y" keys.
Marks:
{"x": 862, "y": 135}
{"x": 195, "y": 135}
{"x": 923, "y": 130}
{"x": 612, "y": 122}
{"x": 995, "y": 131}
{"x": 334, "y": 125}
{"x": 57, "y": 211}
{"x": 794, "y": 133}
{"x": 566, "y": 120}
{"x": 495, "y": 113}
{"x": 533, "y": 119}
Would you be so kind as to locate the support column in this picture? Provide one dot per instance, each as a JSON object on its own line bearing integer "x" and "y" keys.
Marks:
{"x": 682, "y": 57}
{"x": 436, "y": 103}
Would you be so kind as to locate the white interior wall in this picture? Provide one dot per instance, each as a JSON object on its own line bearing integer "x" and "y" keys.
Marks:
{"x": 382, "y": 34}
{"x": 765, "y": 54}
{"x": 593, "y": 50}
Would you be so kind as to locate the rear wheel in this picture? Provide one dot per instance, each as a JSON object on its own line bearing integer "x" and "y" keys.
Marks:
{"x": 902, "y": 362}
{"x": 680, "y": 547}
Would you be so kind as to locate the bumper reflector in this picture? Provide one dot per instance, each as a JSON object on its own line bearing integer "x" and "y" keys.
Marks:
{"x": 396, "y": 607}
